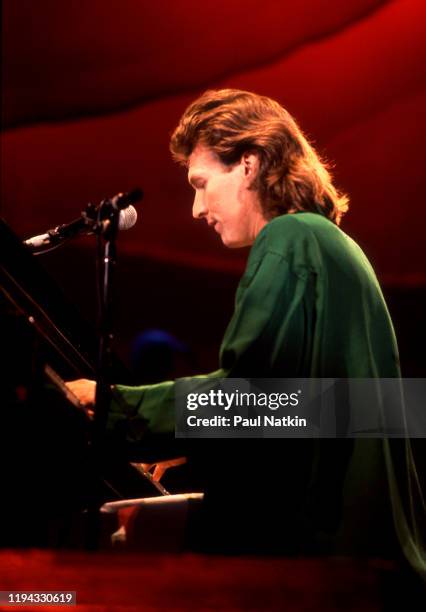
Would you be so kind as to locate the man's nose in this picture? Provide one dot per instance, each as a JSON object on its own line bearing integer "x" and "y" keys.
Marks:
{"x": 199, "y": 209}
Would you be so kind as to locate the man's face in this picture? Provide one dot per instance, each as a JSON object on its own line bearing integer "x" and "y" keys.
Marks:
{"x": 223, "y": 197}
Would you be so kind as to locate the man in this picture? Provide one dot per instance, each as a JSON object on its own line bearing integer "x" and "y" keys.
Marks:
{"x": 308, "y": 305}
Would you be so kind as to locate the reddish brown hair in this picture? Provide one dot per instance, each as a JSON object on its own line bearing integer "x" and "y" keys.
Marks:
{"x": 291, "y": 175}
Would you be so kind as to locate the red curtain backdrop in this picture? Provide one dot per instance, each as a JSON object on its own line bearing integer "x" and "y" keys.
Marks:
{"x": 92, "y": 90}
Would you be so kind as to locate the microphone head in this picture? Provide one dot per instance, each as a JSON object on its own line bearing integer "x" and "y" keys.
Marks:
{"x": 128, "y": 217}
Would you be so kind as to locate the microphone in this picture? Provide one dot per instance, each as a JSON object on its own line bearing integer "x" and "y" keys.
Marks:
{"x": 90, "y": 220}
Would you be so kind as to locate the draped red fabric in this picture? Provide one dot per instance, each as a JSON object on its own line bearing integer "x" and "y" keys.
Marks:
{"x": 91, "y": 92}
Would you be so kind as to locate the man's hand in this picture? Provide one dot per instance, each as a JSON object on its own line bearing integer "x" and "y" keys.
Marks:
{"x": 84, "y": 390}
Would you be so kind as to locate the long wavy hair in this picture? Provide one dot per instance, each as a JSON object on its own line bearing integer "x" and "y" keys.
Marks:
{"x": 291, "y": 176}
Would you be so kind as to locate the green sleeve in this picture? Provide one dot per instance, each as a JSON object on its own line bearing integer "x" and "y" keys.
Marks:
{"x": 263, "y": 336}
{"x": 148, "y": 408}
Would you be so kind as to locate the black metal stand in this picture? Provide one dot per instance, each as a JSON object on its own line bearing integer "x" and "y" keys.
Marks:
{"x": 106, "y": 261}
{"x": 106, "y": 264}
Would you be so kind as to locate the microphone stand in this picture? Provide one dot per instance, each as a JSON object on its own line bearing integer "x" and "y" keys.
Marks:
{"x": 106, "y": 261}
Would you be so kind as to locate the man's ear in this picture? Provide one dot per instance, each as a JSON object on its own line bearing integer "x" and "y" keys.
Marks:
{"x": 251, "y": 163}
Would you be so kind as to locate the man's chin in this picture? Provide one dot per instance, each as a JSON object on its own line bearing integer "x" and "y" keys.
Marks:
{"x": 233, "y": 244}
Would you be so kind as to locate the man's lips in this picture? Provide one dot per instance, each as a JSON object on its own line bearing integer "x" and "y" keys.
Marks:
{"x": 213, "y": 224}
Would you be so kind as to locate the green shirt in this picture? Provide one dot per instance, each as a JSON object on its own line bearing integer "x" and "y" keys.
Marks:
{"x": 308, "y": 305}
